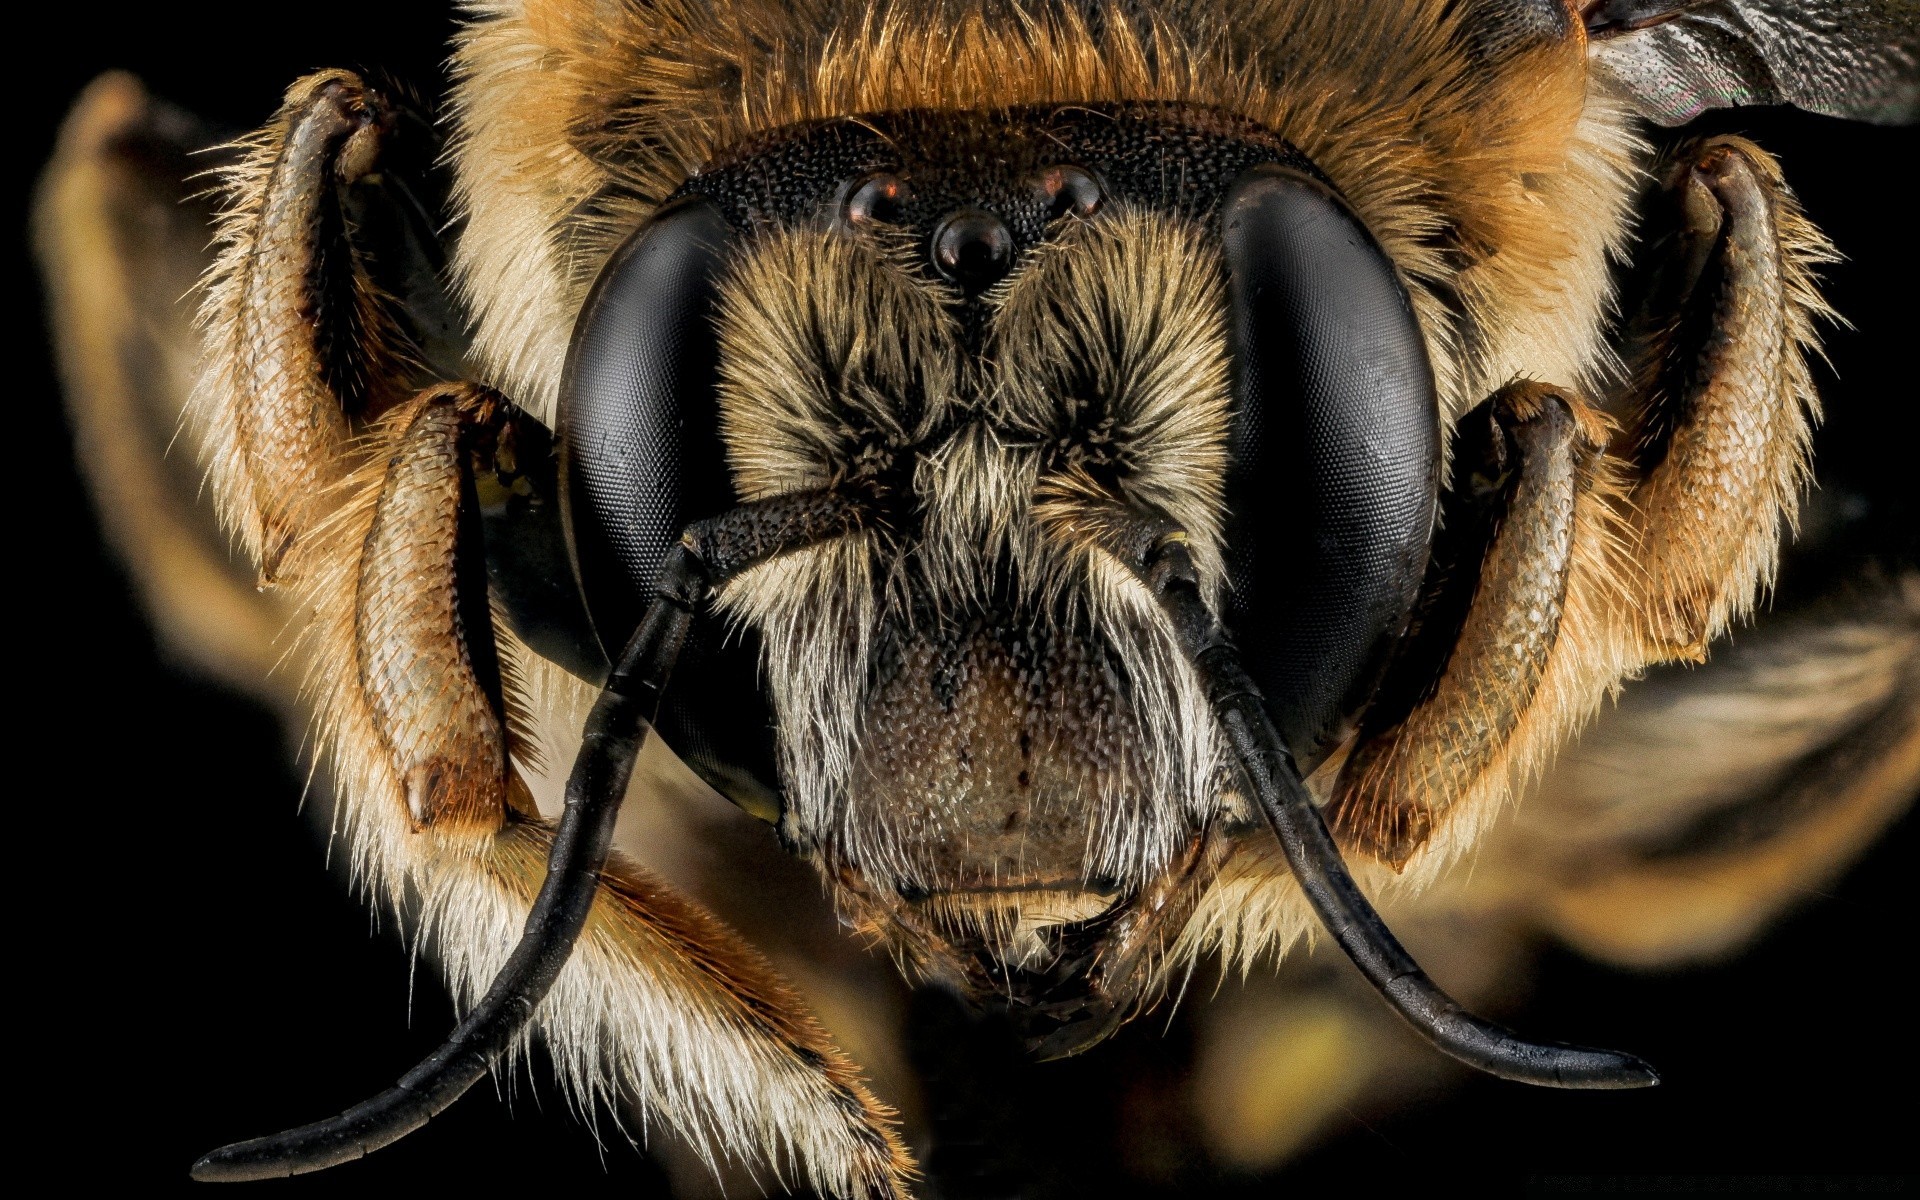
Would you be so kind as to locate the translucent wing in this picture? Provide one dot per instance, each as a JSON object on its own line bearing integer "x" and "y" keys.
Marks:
{"x": 1845, "y": 58}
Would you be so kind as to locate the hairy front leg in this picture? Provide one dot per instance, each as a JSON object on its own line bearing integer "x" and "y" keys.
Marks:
{"x": 369, "y": 504}
{"x": 418, "y": 709}
{"x": 1717, "y": 404}
{"x": 1712, "y": 455}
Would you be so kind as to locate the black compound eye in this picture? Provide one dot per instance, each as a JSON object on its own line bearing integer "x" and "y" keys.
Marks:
{"x": 973, "y": 248}
{"x": 1070, "y": 189}
{"x": 639, "y": 432}
{"x": 876, "y": 200}
{"x": 1336, "y": 452}
{"x": 640, "y": 457}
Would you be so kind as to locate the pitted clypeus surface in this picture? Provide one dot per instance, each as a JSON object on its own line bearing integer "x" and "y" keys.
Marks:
{"x": 992, "y": 736}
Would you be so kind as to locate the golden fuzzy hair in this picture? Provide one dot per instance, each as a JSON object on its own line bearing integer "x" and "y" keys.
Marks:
{"x": 652, "y": 972}
{"x": 1502, "y": 189}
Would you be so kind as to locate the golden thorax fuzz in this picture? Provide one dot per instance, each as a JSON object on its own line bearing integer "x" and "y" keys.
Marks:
{"x": 1472, "y": 143}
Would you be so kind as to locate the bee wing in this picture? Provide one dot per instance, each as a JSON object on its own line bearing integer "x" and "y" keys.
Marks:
{"x": 1713, "y": 799}
{"x": 1676, "y": 59}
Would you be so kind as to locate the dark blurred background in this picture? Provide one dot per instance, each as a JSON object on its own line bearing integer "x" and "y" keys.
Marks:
{"x": 177, "y": 924}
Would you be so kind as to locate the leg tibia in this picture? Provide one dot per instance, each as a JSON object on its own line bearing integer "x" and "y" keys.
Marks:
{"x": 1488, "y": 622}
{"x": 1718, "y": 405}
{"x": 423, "y": 635}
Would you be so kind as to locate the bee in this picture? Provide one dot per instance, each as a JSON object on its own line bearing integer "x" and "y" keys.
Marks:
{"x": 1108, "y": 485}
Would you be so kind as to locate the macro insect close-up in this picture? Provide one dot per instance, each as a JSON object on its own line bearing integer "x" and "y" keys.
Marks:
{"x": 831, "y": 556}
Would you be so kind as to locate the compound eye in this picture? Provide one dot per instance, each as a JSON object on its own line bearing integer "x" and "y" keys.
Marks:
{"x": 1070, "y": 189}
{"x": 1335, "y": 449}
{"x": 876, "y": 200}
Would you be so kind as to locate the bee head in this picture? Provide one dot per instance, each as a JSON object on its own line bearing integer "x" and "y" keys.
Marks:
{"x": 1010, "y": 333}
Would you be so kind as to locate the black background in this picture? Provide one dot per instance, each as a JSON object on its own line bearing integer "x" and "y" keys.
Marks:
{"x": 176, "y": 933}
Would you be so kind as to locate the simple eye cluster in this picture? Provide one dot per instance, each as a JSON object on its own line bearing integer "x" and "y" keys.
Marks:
{"x": 973, "y": 246}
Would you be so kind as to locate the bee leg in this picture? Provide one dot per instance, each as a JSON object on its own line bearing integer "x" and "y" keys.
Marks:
{"x": 1704, "y": 471}
{"x": 323, "y": 306}
{"x": 121, "y": 232}
{"x": 1715, "y": 411}
{"x": 1522, "y": 518}
{"x": 418, "y": 702}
